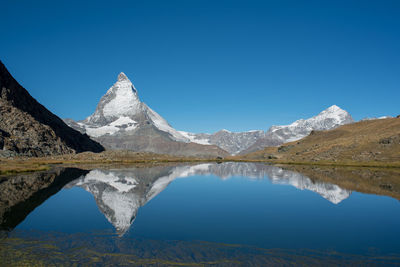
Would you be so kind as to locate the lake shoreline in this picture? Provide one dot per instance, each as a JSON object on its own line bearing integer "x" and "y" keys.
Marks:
{"x": 109, "y": 158}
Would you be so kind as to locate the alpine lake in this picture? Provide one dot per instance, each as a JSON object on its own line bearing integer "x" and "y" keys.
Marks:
{"x": 209, "y": 214}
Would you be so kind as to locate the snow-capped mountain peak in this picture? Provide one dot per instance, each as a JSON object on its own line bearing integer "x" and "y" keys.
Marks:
{"x": 122, "y": 77}
{"x": 329, "y": 118}
{"x": 120, "y": 100}
{"x": 333, "y": 112}
{"x": 333, "y": 108}
{"x": 120, "y": 112}
{"x": 325, "y": 120}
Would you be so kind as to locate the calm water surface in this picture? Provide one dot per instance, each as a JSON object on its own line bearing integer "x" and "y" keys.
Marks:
{"x": 208, "y": 214}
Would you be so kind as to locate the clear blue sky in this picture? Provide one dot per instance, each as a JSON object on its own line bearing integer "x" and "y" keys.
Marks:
{"x": 207, "y": 65}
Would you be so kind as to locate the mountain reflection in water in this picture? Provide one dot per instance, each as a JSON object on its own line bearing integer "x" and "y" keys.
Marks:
{"x": 120, "y": 193}
{"x": 243, "y": 218}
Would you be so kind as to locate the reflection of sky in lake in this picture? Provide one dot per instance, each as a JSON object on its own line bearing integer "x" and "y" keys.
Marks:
{"x": 253, "y": 206}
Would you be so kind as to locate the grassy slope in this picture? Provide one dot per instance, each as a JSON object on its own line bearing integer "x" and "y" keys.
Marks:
{"x": 374, "y": 142}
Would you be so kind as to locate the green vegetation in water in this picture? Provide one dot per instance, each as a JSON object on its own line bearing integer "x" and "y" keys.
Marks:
{"x": 57, "y": 249}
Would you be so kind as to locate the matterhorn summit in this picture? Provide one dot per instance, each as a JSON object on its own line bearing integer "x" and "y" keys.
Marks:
{"x": 120, "y": 100}
{"x": 122, "y": 121}
{"x": 120, "y": 111}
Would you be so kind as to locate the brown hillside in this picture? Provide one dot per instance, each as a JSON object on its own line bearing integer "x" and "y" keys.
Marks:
{"x": 365, "y": 141}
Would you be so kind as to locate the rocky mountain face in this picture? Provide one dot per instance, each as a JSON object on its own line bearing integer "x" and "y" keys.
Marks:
{"x": 232, "y": 142}
{"x": 122, "y": 121}
{"x": 246, "y": 142}
{"x": 28, "y": 128}
{"x": 120, "y": 193}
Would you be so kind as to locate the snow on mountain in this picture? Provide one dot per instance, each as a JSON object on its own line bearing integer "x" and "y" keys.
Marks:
{"x": 202, "y": 139}
{"x": 233, "y": 142}
{"x": 163, "y": 125}
{"x": 120, "y": 112}
{"x": 122, "y": 121}
{"x": 238, "y": 142}
{"x": 327, "y": 119}
{"x": 330, "y": 118}
{"x": 377, "y": 118}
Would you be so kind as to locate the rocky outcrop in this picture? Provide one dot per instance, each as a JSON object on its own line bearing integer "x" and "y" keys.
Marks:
{"x": 28, "y": 128}
{"x": 233, "y": 142}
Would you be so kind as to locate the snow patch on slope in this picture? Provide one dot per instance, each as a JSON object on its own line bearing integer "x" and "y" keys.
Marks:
{"x": 195, "y": 139}
{"x": 125, "y": 123}
{"x": 122, "y": 121}
{"x": 163, "y": 125}
{"x": 99, "y": 131}
{"x": 377, "y": 118}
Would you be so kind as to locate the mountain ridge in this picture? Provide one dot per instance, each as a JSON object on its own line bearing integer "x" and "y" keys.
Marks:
{"x": 28, "y": 128}
{"x": 327, "y": 119}
{"x": 122, "y": 121}
{"x": 249, "y": 141}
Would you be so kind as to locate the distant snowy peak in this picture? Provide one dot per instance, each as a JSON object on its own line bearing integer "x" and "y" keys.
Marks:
{"x": 334, "y": 115}
{"x": 330, "y": 118}
{"x": 327, "y": 119}
{"x": 377, "y": 118}
{"x": 237, "y": 142}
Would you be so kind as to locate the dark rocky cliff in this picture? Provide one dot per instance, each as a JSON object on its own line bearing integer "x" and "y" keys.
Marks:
{"x": 28, "y": 128}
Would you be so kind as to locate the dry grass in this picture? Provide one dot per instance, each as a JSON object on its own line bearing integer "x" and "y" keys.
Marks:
{"x": 366, "y": 143}
{"x": 13, "y": 167}
{"x": 89, "y": 159}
